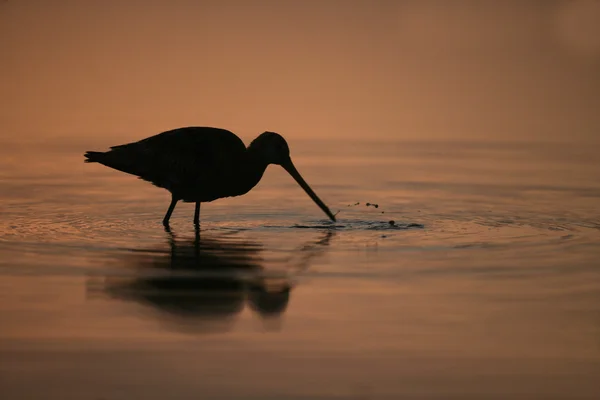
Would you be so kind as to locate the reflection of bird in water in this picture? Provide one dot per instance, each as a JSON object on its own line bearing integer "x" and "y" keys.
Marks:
{"x": 202, "y": 284}
{"x": 202, "y": 164}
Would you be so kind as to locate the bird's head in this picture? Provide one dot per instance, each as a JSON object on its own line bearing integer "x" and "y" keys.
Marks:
{"x": 272, "y": 148}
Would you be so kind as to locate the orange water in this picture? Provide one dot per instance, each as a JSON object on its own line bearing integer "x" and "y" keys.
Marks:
{"x": 486, "y": 285}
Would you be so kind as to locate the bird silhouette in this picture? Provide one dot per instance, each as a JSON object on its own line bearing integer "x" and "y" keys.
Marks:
{"x": 202, "y": 164}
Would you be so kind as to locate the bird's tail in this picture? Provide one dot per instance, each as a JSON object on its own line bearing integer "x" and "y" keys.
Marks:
{"x": 93, "y": 156}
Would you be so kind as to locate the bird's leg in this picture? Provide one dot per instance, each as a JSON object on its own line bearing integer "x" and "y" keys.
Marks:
{"x": 197, "y": 242}
{"x": 170, "y": 211}
{"x": 172, "y": 244}
{"x": 197, "y": 214}
{"x": 197, "y": 234}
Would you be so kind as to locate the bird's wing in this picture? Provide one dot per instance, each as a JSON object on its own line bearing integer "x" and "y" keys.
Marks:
{"x": 185, "y": 156}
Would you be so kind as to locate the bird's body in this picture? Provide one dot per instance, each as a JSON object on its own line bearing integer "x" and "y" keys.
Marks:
{"x": 201, "y": 164}
{"x": 195, "y": 164}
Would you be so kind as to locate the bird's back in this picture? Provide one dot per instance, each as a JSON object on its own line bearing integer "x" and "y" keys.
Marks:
{"x": 183, "y": 161}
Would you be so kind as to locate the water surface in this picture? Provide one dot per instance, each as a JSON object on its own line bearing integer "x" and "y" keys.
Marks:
{"x": 485, "y": 286}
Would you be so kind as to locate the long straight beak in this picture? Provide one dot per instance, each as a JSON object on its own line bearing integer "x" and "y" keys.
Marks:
{"x": 289, "y": 167}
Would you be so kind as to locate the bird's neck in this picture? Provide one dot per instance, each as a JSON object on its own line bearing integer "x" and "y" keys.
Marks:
{"x": 254, "y": 168}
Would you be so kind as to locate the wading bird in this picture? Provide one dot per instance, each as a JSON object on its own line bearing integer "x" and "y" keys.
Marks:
{"x": 202, "y": 164}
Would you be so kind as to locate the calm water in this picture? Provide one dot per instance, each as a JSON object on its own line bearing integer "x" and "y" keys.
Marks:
{"x": 486, "y": 286}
